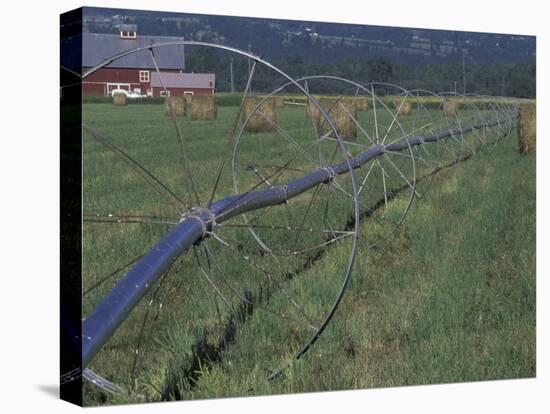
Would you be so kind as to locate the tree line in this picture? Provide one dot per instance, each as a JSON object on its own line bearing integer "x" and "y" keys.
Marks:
{"x": 499, "y": 79}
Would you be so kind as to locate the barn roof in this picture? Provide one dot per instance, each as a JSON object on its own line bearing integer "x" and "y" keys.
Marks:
{"x": 98, "y": 47}
{"x": 127, "y": 27}
{"x": 183, "y": 80}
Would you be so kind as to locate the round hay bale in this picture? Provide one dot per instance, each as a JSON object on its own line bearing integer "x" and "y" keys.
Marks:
{"x": 279, "y": 101}
{"x": 527, "y": 127}
{"x": 188, "y": 99}
{"x": 362, "y": 104}
{"x": 120, "y": 99}
{"x": 178, "y": 103}
{"x": 404, "y": 108}
{"x": 204, "y": 108}
{"x": 341, "y": 111}
{"x": 262, "y": 119}
{"x": 312, "y": 111}
{"x": 450, "y": 108}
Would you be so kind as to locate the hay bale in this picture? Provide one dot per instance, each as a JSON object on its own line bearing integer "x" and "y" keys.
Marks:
{"x": 404, "y": 108}
{"x": 259, "y": 120}
{"x": 527, "y": 128}
{"x": 311, "y": 110}
{"x": 204, "y": 108}
{"x": 188, "y": 99}
{"x": 450, "y": 108}
{"x": 279, "y": 101}
{"x": 178, "y": 103}
{"x": 120, "y": 99}
{"x": 340, "y": 111}
{"x": 362, "y": 104}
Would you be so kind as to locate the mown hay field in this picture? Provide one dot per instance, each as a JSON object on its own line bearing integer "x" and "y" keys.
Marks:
{"x": 450, "y": 297}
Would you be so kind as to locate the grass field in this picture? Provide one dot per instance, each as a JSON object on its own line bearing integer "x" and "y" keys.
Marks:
{"x": 232, "y": 99}
{"x": 449, "y": 297}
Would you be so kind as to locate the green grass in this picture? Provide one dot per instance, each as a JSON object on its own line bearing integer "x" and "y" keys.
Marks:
{"x": 450, "y": 297}
{"x": 233, "y": 99}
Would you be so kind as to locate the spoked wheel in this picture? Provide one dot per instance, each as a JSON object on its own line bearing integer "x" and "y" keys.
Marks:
{"x": 507, "y": 114}
{"x": 281, "y": 155}
{"x": 496, "y": 130}
{"x": 250, "y": 271}
{"x": 366, "y": 123}
{"x": 499, "y": 119}
{"x": 482, "y": 106}
{"x": 418, "y": 122}
{"x": 452, "y": 108}
{"x": 445, "y": 122}
{"x": 468, "y": 115}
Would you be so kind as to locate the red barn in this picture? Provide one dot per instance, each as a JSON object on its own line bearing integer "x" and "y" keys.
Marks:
{"x": 136, "y": 71}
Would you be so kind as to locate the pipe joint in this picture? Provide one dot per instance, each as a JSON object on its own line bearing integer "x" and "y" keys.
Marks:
{"x": 205, "y": 217}
{"x": 331, "y": 174}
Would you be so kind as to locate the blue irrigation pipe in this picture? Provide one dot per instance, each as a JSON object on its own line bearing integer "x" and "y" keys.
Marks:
{"x": 105, "y": 318}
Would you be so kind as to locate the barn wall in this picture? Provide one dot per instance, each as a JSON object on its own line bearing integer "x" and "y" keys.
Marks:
{"x": 93, "y": 89}
{"x": 181, "y": 91}
{"x": 95, "y": 84}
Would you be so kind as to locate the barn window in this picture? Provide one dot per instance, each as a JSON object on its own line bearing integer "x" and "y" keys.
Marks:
{"x": 164, "y": 93}
{"x": 144, "y": 76}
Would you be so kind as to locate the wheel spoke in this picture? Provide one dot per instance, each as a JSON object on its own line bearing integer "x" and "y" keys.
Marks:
{"x": 210, "y": 280}
{"x": 356, "y": 122}
{"x": 285, "y": 228}
{"x": 186, "y": 164}
{"x": 374, "y": 111}
{"x": 154, "y": 298}
{"x": 403, "y": 154}
{"x": 393, "y": 120}
{"x": 286, "y": 136}
{"x": 414, "y": 131}
{"x": 306, "y": 213}
{"x": 244, "y": 299}
{"x": 110, "y": 275}
{"x": 365, "y": 179}
{"x": 273, "y": 177}
{"x": 118, "y": 219}
{"x": 383, "y": 182}
{"x": 232, "y": 135}
{"x": 154, "y": 182}
{"x": 413, "y": 187}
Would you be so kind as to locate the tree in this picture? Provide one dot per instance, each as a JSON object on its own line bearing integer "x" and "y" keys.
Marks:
{"x": 202, "y": 59}
{"x": 522, "y": 83}
{"x": 380, "y": 69}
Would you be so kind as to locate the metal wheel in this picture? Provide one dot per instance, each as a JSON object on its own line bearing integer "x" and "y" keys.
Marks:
{"x": 367, "y": 123}
{"x": 239, "y": 279}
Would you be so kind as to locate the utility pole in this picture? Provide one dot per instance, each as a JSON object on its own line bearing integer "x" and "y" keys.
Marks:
{"x": 463, "y": 72}
{"x": 249, "y": 66}
{"x": 231, "y": 75}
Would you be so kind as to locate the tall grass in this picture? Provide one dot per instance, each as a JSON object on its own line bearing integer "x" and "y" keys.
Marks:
{"x": 403, "y": 314}
{"x": 450, "y": 298}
